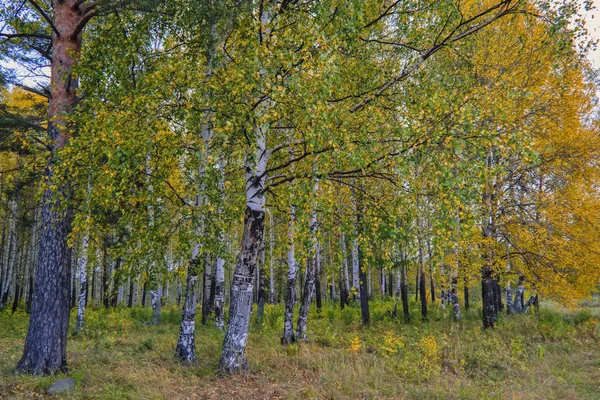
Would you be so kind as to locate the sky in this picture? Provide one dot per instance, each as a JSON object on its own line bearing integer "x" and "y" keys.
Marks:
{"x": 592, "y": 20}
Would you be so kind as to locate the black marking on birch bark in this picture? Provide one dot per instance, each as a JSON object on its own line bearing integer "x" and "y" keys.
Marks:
{"x": 186, "y": 347}
{"x": 233, "y": 359}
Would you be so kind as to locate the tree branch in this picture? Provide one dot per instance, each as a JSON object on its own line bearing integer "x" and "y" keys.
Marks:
{"x": 45, "y": 16}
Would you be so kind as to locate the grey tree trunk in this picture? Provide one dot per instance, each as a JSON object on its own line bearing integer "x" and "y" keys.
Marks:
{"x": 488, "y": 299}
{"x": 404, "y": 287}
{"x": 207, "y": 289}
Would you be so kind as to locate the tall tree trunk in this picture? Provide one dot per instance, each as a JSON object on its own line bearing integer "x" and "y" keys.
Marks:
{"x": 364, "y": 298}
{"x": 488, "y": 299}
{"x": 46, "y": 341}
{"x": 466, "y": 293}
{"x": 404, "y": 287}
{"x": 233, "y": 359}
{"x": 290, "y": 299}
{"x": 272, "y": 289}
{"x": 260, "y": 310}
{"x": 454, "y": 282}
{"x": 144, "y": 293}
{"x": 417, "y": 284}
{"x": 318, "y": 295}
{"x": 10, "y": 257}
{"x": 206, "y": 290}
{"x": 311, "y": 267}
{"x": 155, "y": 299}
{"x": 130, "y": 294}
{"x": 82, "y": 266}
{"x": 355, "y": 267}
{"x": 186, "y": 346}
{"x": 520, "y": 293}
{"x": 219, "y": 292}
{"x": 431, "y": 280}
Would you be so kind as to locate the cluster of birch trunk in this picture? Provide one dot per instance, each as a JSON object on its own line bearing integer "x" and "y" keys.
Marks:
{"x": 343, "y": 218}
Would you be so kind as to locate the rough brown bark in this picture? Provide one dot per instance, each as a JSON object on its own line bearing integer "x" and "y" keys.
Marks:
{"x": 45, "y": 344}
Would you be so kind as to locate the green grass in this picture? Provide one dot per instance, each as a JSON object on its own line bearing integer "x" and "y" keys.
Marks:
{"x": 121, "y": 356}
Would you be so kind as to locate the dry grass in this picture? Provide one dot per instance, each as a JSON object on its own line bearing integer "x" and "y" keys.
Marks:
{"x": 120, "y": 356}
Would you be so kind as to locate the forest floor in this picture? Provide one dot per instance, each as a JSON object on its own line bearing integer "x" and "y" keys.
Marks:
{"x": 119, "y": 356}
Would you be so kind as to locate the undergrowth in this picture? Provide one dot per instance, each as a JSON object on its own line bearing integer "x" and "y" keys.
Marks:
{"x": 121, "y": 355}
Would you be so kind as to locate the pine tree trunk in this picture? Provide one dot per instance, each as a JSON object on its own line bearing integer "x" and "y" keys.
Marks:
{"x": 45, "y": 344}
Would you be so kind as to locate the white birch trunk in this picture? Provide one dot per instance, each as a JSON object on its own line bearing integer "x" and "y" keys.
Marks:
{"x": 355, "y": 265}
{"x": 288, "y": 324}
{"x": 82, "y": 266}
{"x": 309, "y": 285}
{"x": 272, "y": 290}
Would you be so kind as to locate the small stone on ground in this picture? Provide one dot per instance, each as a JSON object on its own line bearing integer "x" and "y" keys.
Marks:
{"x": 61, "y": 386}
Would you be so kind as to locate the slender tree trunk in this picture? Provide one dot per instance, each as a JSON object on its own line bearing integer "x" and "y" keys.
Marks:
{"x": 130, "y": 294}
{"x": 311, "y": 268}
{"x": 82, "y": 266}
{"x": 233, "y": 359}
{"x": 219, "y": 292}
{"x": 155, "y": 299}
{"x": 10, "y": 252}
{"x": 260, "y": 310}
{"x": 417, "y": 284}
{"x": 431, "y": 280}
{"x": 466, "y": 293}
{"x": 355, "y": 266}
{"x": 290, "y": 299}
{"x": 272, "y": 290}
{"x": 364, "y": 298}
{"x": 488, "y": 299}
{"x": 404, "y": 287}
{"x": 318, "y": 295}
{"x": 186, "y": 346}
{"x": 207, "y": 288}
